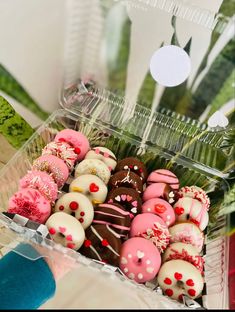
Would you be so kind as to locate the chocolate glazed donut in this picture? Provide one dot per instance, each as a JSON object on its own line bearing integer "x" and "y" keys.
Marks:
{"x": 135, "y": 165}
{"x": 102, "y": 244}
{"x": 113, "y": 215}
{"x": 126, "y": 178}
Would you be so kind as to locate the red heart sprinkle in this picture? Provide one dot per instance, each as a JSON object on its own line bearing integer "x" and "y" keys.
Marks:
{"x": 62, "y": 140}
{"x": 52, "y": 231}
{"x": 178, "y": 276}
{"x": 62, "y": 229}
{"x": 160, "y": 208}
{"x": 61, "y": 207}
{"x": 87, "y": 243}
{"x": 70, "y": 245}
{"x": 190, "y": 282}
{"x": 191, "y": 292}
{"x": 73, "y": 205}
{"x": 179, "y": 210}
{"x": 130, "y": 166}
{"x": 167, "y": 281}
{"x": 140, "y": 170}
{"x": 169, "y": 292}
{"x": 94, "y": 188}
{"x": 81, "y": 220}
{"x": 82, "y": 213}
{"x": 180, "y": 297}
{"x": 77, "y": 150}
{"x": 105, "y": 243}
{"x": 69, "y": 237}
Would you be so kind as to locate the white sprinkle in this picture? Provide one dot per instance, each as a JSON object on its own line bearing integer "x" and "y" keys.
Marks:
{"x": 125, "y": 270}
{"x": 124, "y": 260}
{"x": 125, "y": 167}
{"x": 168, "y": 217}
{"x": 129, "y": 255}
{"x": 150, "y": 269}
{"x": 148, "y": 261}
{"x": 135, "y": 167}
{"x": 140, "y": 276}
{"x": 140, "y": 254}
{"x": 131, "y": 275}
{"x": 149, "y": 209}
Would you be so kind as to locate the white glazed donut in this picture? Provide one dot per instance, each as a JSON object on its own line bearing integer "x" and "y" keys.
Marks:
{"x": 178, "y": 277}
{"x": 95, "y": 167}
{"x": 77, "y": 205}
{"x": 189, "y": 209}
{"x": 196, "y": 193}
{"x": 103, "y": 154}
{"x": 66, "y": 230}
{"x": 187, "y": 232}
{"x": 91, "y": 186}
{"x": 186, "y": 252}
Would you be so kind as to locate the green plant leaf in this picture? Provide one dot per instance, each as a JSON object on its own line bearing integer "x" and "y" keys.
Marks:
{"x": 12, "y": 126}
{"x": 10, "y": 86}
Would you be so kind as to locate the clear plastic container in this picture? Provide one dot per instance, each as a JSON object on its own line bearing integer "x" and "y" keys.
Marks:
{"x": 109, "y": 116}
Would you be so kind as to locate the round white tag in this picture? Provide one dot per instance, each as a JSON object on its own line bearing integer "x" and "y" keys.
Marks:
{"x": 170, "y": 66}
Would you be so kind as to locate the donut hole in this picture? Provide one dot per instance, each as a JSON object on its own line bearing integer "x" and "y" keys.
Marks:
{"x": 73, "y": 214}
{"x": 61, "y": 235}
{"x": 180, "y": 284}
{"x": 187, "y": 217}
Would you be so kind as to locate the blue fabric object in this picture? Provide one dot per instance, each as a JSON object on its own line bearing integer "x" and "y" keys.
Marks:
{"x": 25, "y": 284}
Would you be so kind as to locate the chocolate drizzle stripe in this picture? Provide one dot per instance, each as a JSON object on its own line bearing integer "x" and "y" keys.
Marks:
{"x": 102, "y": 153}
{"x": 166, "y": 175}
{"x": 108, "y": 214}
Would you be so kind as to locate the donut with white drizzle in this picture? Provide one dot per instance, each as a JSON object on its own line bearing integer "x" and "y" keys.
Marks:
{"x": 102, "y": 243}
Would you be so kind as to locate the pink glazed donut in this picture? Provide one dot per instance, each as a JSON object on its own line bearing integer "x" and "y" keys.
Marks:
{"x": 54, "y": 166}
{"x": 159, "y": 190}
{"x": 31, "y": 204}
{"x": 42, "y": 182}
{"x": 63, "y": 151}
{"x": 161, "y": 208}
{"x": 140, "y": 260}
{"x": 151, "y": 227}
{"x": 164, "y": 176}
{"x": 76, "y": 139}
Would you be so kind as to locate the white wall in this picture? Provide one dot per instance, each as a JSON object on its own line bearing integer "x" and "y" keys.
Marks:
{"x": 31, "y": 48}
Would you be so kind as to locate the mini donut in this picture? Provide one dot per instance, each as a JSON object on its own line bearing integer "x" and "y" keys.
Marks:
{"x": 187, "y": 208}
{"x": 126, "y": 178}
{"x": 177, "y": 278}
{"x": 127, "y": 198}
{"x": 102, "y": 243}
{"x": 186, "y": 252}
{"x": 77, "y": 205}
{"x": 42, "y": 182}
{"x": 30, "y": 203}
{"x": 113, "y": 215}
{"x": 151, "y": 227}
{"x": 187, "y": 232}
{"x": 76, "y": 139}
{"x": 63, "y": 151}
{"x": 91, "y": 186}
{"x": 54, "y": 166}
{"x": 164, "y": 176}
{"x": 196, "y": 193}
{"x": 161, "y": 208}
{"x": 140, "y": 260}
{"x": 103, "y": 154}
{"x": 159, "y": 190}
{"x": 95, "y": 167}
{"x": 133, "y": 164}
{"x": 66, "y": 230}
